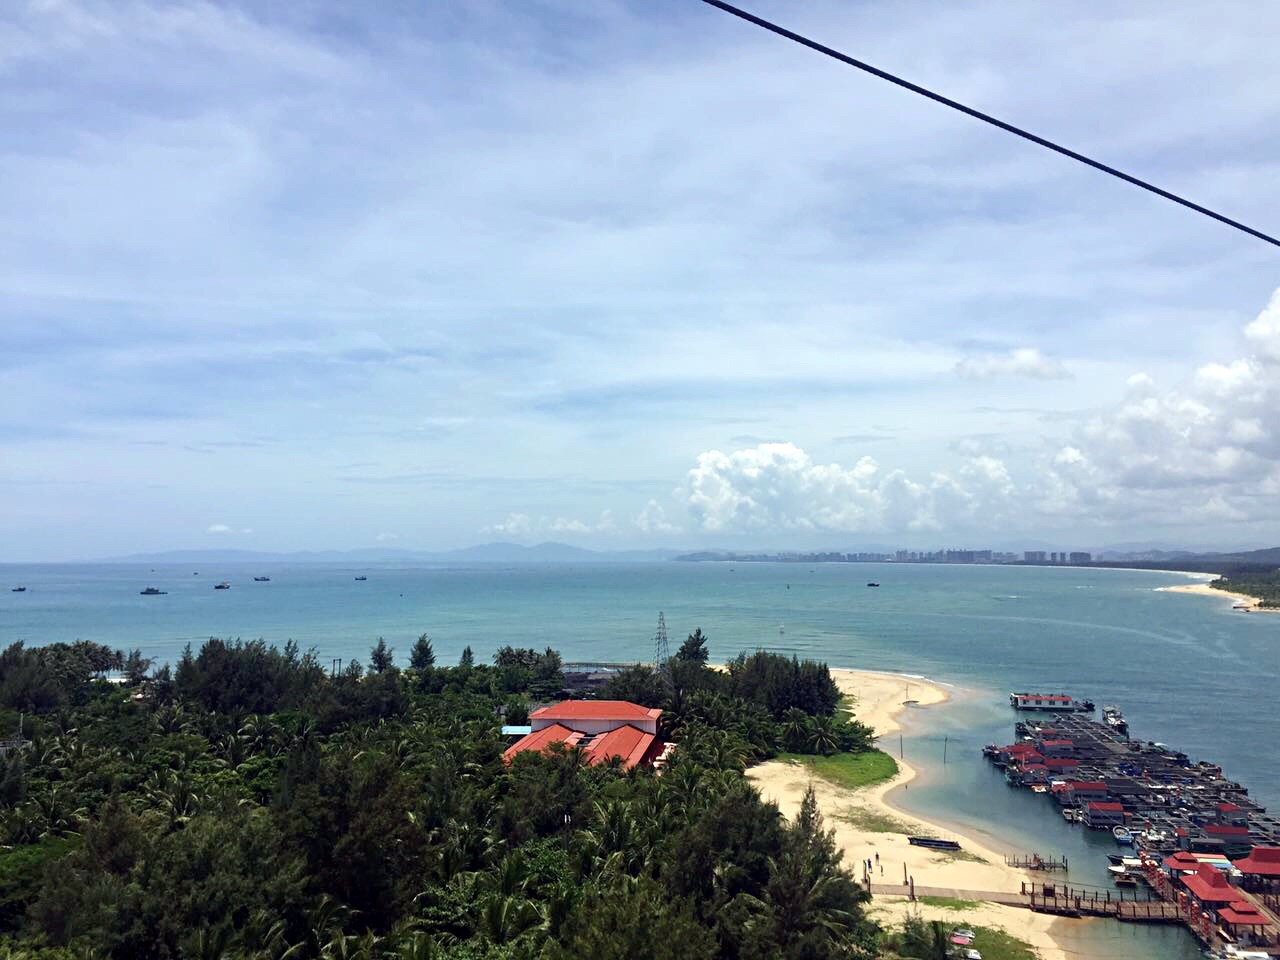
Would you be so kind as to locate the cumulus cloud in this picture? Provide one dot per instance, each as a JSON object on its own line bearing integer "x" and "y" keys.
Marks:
{"x": 386, "y": 537}
{"x": 219, "y": 528}
{"x": 1019, "y": 362}
{"x": 779, "y": 486}
{"x": 652, "y": 518}
{"x": 1264, "y": 332}
{"x": 1205, "y": 451}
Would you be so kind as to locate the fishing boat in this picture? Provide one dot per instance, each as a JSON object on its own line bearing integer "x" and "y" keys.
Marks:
{"x": 18, "y": 590}
{"x": 152, "y": 592}
{"x": 261, "y": 579}
{"x": 1122, "y": 835}
{"x": 1125, "y": 880}
{"x": 933, "y": 843}
{"x": 872, "y": 583}
{"x": 224, "y": 585}
{"x": 1071, "y": 814}
{"x": 1114, "y": 719}
{"x": 362, "y": 578}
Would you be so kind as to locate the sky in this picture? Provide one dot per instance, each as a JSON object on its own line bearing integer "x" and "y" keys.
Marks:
{"x": 633, "y": 274}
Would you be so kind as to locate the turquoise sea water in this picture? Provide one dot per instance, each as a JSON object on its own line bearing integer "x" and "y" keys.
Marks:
{"x": 1188, "y": 671}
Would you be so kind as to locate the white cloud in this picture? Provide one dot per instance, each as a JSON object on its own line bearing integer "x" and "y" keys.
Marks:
{"x": 1019, "y": 362}
{"x": 1207, "y": 451}
{"x": 778, "y": 486}
{"x": 386, "y": 537}
{"x": 652, "y": 519}
{"x": 524, "y": 525}
{"x": 1264, "y": 332}
{"x": 219, "y": 528}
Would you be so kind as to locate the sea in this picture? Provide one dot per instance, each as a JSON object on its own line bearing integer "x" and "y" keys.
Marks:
{"x": 1187, "y": 670}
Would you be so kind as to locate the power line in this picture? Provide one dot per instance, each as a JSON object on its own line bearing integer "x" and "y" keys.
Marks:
{"x": 984, "y": 117}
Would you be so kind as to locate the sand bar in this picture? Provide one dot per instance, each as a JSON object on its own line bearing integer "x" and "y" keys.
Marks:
{"x": 867, "y": 825}
{"x": 1252, "y": 604}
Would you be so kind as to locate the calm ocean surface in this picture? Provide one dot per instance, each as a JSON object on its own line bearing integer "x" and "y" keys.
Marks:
{"x": 1188, "y": 671}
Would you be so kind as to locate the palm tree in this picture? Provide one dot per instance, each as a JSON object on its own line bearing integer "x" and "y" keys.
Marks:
{"x": 795, "y": 728}
{"x": 504, "y": 919}
{"x": 823, "y": 738}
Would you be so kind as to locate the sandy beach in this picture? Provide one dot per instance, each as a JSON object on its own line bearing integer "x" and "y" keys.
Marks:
{"x": 867, "y": 825}
{"x": 1252, "y": 604}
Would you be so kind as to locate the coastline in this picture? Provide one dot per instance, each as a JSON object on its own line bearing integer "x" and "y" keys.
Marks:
{"x": 1241, "y": 600}
{"x": 867, "y": 825}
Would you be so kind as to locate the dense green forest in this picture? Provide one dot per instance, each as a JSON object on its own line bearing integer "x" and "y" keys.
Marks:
{"x": 1264, "y": 586}
{"x": 247, "y": 804}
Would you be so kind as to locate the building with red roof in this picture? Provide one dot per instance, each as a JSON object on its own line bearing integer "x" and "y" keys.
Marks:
{"x": 1260, "y": 870}
{"x": 1211, "y": 888}
{"x": 1102, "y": 815}
{"x": 605, "y": 730}
{"x": 596, "y": 716}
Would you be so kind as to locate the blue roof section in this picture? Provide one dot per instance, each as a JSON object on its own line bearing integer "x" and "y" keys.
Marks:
{"x": 516, "y": 731}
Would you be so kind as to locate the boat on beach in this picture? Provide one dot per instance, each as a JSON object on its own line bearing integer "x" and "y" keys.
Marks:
{"x": 933, "y": 843}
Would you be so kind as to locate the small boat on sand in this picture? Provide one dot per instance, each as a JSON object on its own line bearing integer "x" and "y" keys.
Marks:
{"x": 933, "y": 843}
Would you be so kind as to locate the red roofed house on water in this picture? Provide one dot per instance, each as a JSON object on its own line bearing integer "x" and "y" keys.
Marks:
{"x": 1260, "y": 870}
{"x": 1103, "y": 815}
{"x": 1210, "y": 892}
{"x": 604, "y": 729}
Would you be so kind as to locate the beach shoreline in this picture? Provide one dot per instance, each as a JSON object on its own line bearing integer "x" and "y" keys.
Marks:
{"x": 1240, "y": 600}
{"x": 868, "y": 826}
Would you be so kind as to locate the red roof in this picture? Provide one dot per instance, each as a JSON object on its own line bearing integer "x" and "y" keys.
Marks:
{"x": 1228, "y": 807}
{"x": 1087, "y": 785}
{"x": 1261, "y": 862}
{"x": 1061, "y": 762}
{"x": 1210, "y": 885}
{"x": 1043, "y": 696}
{"x": 541, "y": 739}
{"x": 1182, "y": 861}
{"x": 629, "y": 743}
{"x": 596, "y": 710}
{"x": 1104, "y": 805}
{"x": 1020, "y": 748}
{"x": 1057, "y": 743}
{"x": 1220, "y": 828}
{"x": 1242, "y": 915}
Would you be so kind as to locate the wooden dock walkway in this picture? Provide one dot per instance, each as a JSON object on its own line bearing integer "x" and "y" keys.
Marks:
{"x": 1058, "y": 900}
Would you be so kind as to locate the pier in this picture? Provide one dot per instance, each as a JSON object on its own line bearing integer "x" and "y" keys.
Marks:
{"x": 1048, "y": 898}
{"x": 1034, "y": 861}
{"x": 1206, "y": 854}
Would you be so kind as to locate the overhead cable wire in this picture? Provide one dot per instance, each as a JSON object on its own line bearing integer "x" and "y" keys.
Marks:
{"x": 985, "y": 118}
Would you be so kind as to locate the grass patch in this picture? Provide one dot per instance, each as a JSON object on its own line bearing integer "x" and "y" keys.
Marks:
{"x": 997, "y": 945}
{"x": 948, "y": 856}
{"x": 848, "y": 770}
{"x": 992, "y": 943}
{"x": 876, "y": 821}
{"x": 950, "y": 903}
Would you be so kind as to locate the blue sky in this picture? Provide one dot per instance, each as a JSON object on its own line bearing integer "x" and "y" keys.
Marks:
{"x": 630, "y": 274}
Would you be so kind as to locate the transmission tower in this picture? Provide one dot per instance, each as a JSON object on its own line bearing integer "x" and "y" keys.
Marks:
{"x": 662, "y": 651}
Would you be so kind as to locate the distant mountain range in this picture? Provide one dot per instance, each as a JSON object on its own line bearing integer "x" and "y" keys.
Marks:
{"x": 482, "y": 553}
